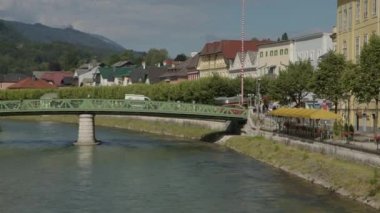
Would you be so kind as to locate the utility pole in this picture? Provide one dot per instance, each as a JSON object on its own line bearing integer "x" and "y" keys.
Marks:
{"x": 242, "y": 56}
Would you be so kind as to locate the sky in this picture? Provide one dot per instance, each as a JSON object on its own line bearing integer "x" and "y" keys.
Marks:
{"x": 180, "y": 26}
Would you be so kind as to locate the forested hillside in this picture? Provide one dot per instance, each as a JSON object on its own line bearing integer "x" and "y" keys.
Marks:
{"x": 19, "y": 53}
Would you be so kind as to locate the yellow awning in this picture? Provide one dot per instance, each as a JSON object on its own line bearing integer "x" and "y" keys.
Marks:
{"x": 305, "y": 113}
{"x": 325, "y": 115}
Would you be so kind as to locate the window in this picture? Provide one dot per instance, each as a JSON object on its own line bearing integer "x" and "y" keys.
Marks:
{"x": 271, "y": 53}
{"x": 286, "y": 51}
{"x": 366, "y": 38}
{"x": 345, "y": 19}
{"x": 261, "y": 54}
{"x": 266, "y": 54}
{"x": 365, "y": 9}
{"x": 340, "y": 23}
{"x": 344, "y": 50}
{"x": 349, "y": 17}
{"x": 374, "y": 7}
{"x": 281, "y": 52}
{"x": 357, "y": 47}
{"x": 357, "y": 10}
{"x": 275, "y": 52}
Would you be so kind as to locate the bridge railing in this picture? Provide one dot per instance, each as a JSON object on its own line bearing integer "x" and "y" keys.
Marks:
{"x": 117, "y": 105}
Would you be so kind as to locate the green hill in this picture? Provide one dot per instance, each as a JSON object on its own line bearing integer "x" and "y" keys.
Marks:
{"x": 25, "y": 47}
{"x": 44, "y": 34}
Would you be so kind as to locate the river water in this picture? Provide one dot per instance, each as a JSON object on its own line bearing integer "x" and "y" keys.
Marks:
{"x": 40, "y": 171}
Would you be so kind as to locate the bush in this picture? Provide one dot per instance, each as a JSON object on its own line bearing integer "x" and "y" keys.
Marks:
{"x": 337, "y": 128}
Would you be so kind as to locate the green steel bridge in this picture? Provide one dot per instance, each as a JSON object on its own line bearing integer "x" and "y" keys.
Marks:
{"x": 121, "y": 107}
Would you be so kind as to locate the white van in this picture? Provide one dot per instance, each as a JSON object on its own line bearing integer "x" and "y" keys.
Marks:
{"x": 135, "y": 97}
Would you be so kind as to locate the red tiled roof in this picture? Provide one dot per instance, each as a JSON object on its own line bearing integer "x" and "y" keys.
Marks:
{"x": 31, "y": 83}
{"x": 229, "y": 48}
{"x": 56, "y": 76}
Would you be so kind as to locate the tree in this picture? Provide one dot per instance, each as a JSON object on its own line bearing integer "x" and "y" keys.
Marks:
{"x": 155, "y": 56}
{"x": 348, "y": 81}
{"x": 181, "y": 57}
{"x": 327, "y": 81}
{"x": 293, "y": 83}
{"x": 284, "y": 37}
{"x": 54, "y": 66}
{"x": 367, "y": 84}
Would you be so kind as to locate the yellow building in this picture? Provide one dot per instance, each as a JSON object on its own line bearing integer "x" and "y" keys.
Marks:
{"x": 357, "y": 20}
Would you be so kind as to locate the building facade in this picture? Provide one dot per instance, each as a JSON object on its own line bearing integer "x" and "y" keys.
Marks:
{"x": 357, "y": 20}
{"x": 249, "y": 64}
{"x": 216, "y": 58}
{"x": 312, "y": 47}
{"x": 274, "y": 57}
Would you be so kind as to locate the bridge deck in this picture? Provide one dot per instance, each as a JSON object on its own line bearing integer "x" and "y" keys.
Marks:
{"x": 120, "y": 107}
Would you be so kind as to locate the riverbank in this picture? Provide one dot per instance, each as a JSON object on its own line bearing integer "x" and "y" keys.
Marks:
{"x": 357, "y": 181}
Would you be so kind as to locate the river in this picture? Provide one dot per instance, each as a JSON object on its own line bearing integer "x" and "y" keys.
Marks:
{"x": 41, "y": 171}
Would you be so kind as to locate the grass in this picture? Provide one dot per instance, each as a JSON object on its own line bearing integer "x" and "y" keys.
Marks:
{"x": 360, "y": 181}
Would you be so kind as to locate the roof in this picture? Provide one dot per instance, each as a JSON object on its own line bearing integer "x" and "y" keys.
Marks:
{"x": 115, "y": 72}
{"x": 229, "y": 48}
{"x": 56, "y": 76}
{"x": 32, "y": 83}
{"x": 122, "y": 64}
{"x": 12, "y": 77}
{"x": 152, "y": 74}
{"x": 139, "y": 75}
{"x": 305, "y": 113}
{"x": 310, "y": 36}
{"x": 192, "y": 62}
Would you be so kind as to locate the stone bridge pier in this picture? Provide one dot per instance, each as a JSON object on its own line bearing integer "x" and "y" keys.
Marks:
{"x": 86, "y": 132}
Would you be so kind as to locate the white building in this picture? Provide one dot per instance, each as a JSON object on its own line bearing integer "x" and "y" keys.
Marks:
{"x": 312, "y": 47}
{"x": 250, "y": 65}
{"x": 86, "y": 74}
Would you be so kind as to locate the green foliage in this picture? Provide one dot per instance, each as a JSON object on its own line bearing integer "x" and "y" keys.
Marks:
{"x": 201, "y": 91}
{"x": 180, "y": 57}
{"x": 292, "y": 84}
{"x": 327, "y": 81}
{"x": 337, "y": 128}
{"x": 346, "y": 128}
{"x": 351, "y": 129}
{"x": 155, "y": 56}
{"x": 367, "y": 86}
{"x": 284, "y": 37}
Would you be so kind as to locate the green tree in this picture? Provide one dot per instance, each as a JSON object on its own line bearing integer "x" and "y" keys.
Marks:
{"x": 155, "y": 56}
{"x": 327, "y": 81}
{"x": 181, "y": 57}
{"x": 293, "y": 83}
{"x": 348, "y": 81}
{"x": 54, "y": 66}
{"x": 284, "y": 37}
{"x": 367, "y": 85}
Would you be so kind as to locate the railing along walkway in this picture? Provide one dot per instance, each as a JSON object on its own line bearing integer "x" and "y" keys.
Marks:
{"x": 119, "y": 106}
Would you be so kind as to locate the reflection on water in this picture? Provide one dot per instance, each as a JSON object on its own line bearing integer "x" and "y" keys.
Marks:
{"x": 42, "y": 172}
{"x": 85, "y": 158}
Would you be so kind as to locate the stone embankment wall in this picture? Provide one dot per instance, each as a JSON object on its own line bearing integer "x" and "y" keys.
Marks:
{"x": 325, "y": 148}
{"x": 214, "y": 125}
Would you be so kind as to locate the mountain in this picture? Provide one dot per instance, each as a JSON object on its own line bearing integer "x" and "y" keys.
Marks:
{"x": 43, "y": 34}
